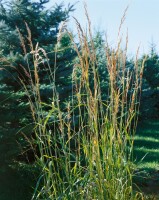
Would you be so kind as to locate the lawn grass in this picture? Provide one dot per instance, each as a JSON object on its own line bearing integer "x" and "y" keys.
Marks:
{"x": 146, "y": 145}
{"x": 146, "y": 155}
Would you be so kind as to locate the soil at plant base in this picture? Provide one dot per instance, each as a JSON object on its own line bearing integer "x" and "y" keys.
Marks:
{"x": 149, "y": 185}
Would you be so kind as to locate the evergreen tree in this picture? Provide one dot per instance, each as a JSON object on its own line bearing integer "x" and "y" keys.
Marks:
{"x": 151, "y": 70}
{"x": 18, "y": 19}
{"x": 22, "y": 23}
{"x": 150, "y": 94}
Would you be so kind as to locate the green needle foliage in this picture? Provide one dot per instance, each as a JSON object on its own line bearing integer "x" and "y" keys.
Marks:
{"x": 150, "y": 93}
{"x": 16, "y": 17}
{"x": 16, "y": 124}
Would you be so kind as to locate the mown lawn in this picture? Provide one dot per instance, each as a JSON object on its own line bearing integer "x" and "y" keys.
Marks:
{"x": 146, "y": 155}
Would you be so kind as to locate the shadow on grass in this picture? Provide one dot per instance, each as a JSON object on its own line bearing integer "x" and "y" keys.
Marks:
{"x": 15, "y": 184}
{"x": 146, "y": 143}
{"x": 146, "y": 156}
{"x": 146, "y": 180}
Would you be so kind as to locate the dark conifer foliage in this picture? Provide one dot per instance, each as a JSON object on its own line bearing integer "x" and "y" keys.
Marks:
{"x": 150, "y": 88}
{"x": 17, "y": 18}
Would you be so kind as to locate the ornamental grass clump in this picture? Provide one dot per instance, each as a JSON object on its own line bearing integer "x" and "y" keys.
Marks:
{"x": 85, "y": 143}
